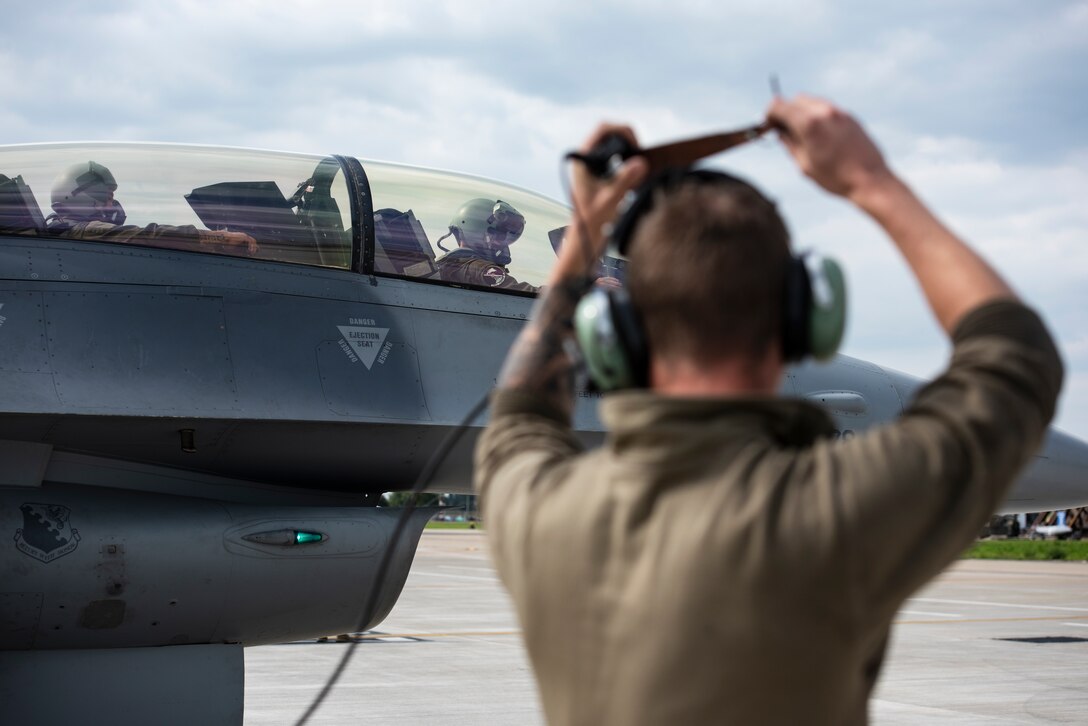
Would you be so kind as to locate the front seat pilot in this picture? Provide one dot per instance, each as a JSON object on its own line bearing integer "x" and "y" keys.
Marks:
{"x": 484, "y": 230}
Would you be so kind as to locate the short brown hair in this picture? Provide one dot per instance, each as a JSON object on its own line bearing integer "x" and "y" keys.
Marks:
{"x": 707, "y": 267}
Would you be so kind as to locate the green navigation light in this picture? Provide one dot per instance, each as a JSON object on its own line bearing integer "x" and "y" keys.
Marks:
{"x": 307, "y": 537}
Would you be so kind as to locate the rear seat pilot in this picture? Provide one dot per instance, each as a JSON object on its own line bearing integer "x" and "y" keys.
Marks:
{"x": 84, "y": 208}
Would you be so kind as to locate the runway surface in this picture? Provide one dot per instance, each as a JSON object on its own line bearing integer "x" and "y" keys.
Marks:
{"x": 988, "y": 642}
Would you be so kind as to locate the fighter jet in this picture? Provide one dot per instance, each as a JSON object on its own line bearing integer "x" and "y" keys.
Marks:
{"x": 213, "y": 361}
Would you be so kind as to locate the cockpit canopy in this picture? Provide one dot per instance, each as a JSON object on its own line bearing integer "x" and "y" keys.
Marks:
{"x": 328, "y": 211}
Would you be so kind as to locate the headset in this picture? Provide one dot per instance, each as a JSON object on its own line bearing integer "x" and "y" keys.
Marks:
{"x": 607, "y": 325}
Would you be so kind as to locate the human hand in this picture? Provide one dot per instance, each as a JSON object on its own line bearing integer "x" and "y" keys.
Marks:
{"x": 240, "y": 239}
{"x": 232, "y": 240}
{"x": 596, "y": 200}
{"x": 828, "y": 145}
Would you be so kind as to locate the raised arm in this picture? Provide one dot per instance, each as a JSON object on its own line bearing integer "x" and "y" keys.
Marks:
{"x": 538, "y": 362}
{"x": 833, "y": 150}
{"x": 932, "y": 477}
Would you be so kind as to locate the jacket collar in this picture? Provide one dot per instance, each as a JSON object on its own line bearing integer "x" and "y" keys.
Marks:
{"x": 647, "y": 420}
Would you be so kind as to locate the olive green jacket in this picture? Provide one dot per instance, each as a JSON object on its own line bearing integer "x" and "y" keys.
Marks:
{"x": 154, "y": 235}
{"x": 185, "y": 237}
{"x": 724, "y": 561}
{"x": 466, "y": 266}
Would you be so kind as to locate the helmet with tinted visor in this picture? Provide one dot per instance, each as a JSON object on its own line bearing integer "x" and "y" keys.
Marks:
{"x": 84, "y": 192}
{"x": 489, "y": 226}
{"x": 505, "y": 224}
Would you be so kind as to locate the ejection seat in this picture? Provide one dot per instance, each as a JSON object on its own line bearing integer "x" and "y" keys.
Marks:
{"x": 403, "y": 248}
{"x": 320, "y": 214}
{"x": 19, "y": 211}
{"x": 259, "y": 209}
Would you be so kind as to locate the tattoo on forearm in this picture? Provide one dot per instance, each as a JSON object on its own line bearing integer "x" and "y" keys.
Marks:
{"x": 538, "y": 360}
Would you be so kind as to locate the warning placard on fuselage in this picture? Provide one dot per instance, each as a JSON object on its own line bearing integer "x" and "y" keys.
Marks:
{"x": 364, "y": 341}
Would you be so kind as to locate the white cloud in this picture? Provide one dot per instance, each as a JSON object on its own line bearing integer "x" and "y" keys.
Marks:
{"x": 892, "y": 62}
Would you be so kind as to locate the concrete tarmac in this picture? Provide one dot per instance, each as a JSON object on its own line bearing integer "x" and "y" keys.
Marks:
{"x": 988, "y": 642}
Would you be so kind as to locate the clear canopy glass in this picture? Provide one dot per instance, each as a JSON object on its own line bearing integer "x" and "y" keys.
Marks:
{"x": 421, "y": 215}
{"x": 276, "y": 206}
{"x": 438, "y": 226}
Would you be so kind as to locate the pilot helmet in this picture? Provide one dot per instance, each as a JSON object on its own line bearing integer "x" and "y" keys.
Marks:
{"x": 83, "y": 192}
{"x": 489, "y": 226}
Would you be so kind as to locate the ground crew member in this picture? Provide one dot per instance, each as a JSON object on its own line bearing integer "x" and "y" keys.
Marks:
{"x": 715, "y": 561}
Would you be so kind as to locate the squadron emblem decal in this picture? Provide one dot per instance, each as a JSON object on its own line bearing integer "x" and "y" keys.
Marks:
{"x": 363, "y": 341}
{"x": 46, "y": 534}
{"x": 496, "y": 275}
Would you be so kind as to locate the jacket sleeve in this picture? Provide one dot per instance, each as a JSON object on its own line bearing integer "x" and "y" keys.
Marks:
{"x": 520, "y": 456}
{"x": 911, "y": 495}
{"x": 153, "y": 235}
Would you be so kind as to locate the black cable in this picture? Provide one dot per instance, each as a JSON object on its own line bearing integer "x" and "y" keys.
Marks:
{"x": 425, "y": 476}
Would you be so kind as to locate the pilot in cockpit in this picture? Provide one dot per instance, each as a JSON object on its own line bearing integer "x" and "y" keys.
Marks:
{"x": 484, "y": 230}
{"x": 84, "y": 208}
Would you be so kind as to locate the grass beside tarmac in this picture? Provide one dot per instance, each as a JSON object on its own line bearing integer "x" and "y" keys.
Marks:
{"x": 1027, "y": 549}
{"x": 434, "y": 524}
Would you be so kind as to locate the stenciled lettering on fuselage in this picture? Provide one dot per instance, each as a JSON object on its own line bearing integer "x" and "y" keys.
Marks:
{"x": 2, "y": 318}
{"x": 46, "y": 534}
{"x": 364, "y": 342}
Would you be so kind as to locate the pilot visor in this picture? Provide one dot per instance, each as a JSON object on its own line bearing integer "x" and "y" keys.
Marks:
{"x": 505, "y": 224}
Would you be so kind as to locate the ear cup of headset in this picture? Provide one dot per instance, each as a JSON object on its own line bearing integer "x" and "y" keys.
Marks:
{"x": 814, "y": 309}
{"x": 827, "y": 311}
{"x": 609, "y": 333}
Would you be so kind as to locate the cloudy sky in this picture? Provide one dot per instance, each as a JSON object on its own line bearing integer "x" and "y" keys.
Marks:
{"x": 978, "y": 103}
